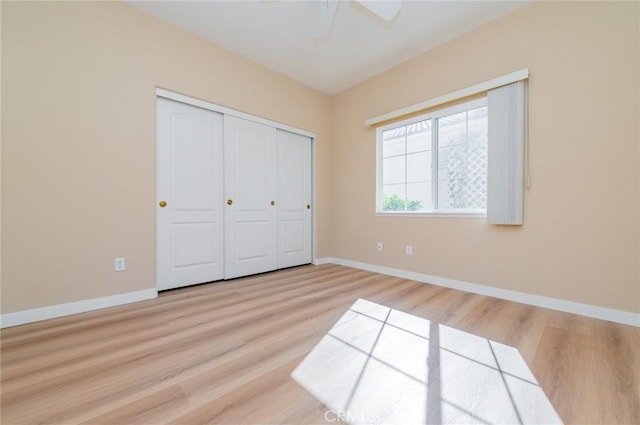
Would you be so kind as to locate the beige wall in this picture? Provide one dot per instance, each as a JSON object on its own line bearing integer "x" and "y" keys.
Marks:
{"x": 580, "y": 238}
{"x": 78, "y": 184}
{"x": 78, "y": 84}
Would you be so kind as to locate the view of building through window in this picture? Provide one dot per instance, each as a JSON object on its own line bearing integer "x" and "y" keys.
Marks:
{"x": 438, "y": 163}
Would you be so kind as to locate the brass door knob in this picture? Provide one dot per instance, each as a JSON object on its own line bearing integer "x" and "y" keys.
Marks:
{"x": 308, "y": 206}
{"x": 163, "y": 204}
{"x": 272, "y": 203}
{"x": 229, "y": 202}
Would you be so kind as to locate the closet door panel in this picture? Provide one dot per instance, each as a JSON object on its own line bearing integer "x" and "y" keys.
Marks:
{"x": 189, "y": 214}
{"x": 294, "y": 199}
{"x": 250, "y": 194}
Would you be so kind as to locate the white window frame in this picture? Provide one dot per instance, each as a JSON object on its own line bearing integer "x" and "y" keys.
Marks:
{"x": 457, "y": 213}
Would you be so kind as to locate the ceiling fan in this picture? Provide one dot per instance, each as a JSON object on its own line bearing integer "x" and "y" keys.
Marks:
{"x": 386, "y": 10}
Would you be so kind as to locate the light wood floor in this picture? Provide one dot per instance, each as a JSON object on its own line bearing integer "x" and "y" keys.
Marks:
{"x": 224, "y": 352}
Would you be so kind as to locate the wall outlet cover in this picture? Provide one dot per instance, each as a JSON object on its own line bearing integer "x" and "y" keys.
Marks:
{"x": 119, "y": 264}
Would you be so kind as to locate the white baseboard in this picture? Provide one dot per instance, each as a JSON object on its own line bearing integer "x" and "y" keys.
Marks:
{"x": 53, "y": 311}
{"x": 321, "y": 261}
{"x": 618, "y": 316}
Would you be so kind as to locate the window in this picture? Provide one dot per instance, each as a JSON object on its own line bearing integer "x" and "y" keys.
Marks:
{"x": 436, "y": 163}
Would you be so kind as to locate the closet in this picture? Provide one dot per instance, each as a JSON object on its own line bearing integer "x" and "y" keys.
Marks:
{"x": 233, "y": 195}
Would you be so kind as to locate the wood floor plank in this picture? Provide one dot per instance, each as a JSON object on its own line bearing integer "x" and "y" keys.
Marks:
{"x": 224, "y": 352}
{"x": 82, "y": 348}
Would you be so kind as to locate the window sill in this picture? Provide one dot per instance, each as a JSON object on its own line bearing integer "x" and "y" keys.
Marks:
{"x": 459, "y": 214}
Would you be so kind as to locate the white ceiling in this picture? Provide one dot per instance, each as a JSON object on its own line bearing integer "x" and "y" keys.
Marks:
{"x": 278, "y": 33}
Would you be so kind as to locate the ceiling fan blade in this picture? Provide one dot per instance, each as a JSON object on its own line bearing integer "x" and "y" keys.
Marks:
{"x": 387, "y": 9}
{"x": 324, "y": 18}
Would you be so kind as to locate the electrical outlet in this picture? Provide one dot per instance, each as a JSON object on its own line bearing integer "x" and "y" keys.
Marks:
{"x": 409, "y": 250}
{"x": 379, "y": 246}
{"x": 119, "y": 264}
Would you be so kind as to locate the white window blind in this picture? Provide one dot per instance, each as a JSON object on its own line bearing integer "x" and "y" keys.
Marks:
{"x": 506, "y": 136}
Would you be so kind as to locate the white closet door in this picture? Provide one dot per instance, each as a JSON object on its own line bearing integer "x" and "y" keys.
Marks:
{"x": 250, "y": 196}
{"x": 294, "y": 199}
{"x": 189, "y": 218}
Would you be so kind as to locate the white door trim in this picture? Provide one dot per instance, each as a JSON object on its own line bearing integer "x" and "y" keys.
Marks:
{"x": 228, "y": 111}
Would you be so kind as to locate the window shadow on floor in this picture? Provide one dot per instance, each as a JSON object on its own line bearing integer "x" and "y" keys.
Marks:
{"x": 380, "y": 365}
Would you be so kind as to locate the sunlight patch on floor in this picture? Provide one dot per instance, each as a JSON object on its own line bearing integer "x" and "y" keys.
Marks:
{"x": 380, "y": 365}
